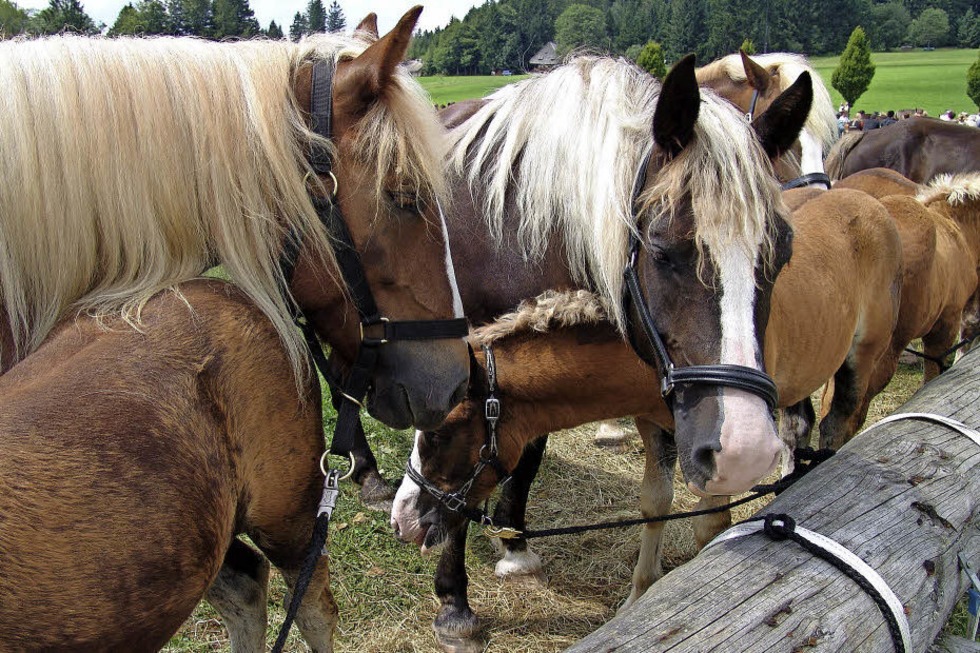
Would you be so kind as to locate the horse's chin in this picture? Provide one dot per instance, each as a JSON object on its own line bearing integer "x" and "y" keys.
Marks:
{"x": 390, "y": 406}
{"x": 434, "y": 536}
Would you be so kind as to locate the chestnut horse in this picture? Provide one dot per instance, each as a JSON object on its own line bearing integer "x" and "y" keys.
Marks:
{"x": 753, "y": 83}
{"x": 200, "y": 158}
{"x": 918, "y": 148}
{"x": 124, "y": 485}
{"x": 553, "y": 373}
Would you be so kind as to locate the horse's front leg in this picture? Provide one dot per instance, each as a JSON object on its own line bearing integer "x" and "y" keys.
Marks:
{"x": 511, "y": 510}
{"x": 239, "y": 593}
{"x": 656, "y": 497}
{"x": 456, "y": 626}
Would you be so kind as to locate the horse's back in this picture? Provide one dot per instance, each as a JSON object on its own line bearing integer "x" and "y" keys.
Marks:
{"x": 839, "y": 236}
{"x": 879, "y": 183}
{"x": 918, "y": 148}
{"x": 119, "y": 484}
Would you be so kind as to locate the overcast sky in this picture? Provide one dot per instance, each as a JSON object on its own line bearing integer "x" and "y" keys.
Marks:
{"x": 436, "y": 14}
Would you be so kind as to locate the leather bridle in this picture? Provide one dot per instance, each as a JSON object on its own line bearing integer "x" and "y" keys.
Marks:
{"x": 455, "y": 501}
{"x": 734, "y": 376}
{"x": 376, "y": 330}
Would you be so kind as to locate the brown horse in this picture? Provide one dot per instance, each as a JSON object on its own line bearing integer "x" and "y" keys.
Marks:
{"x": 553, "y": 362}
{"x": 940, "y": 259}
{"x": 200, "y": 158}
{"x": 753, "y": 83}
{"x": 918, "y": 148}
{"x": 124, "y": 485}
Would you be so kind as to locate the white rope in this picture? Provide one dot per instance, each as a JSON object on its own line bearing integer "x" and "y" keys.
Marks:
{"x": 856, "y": 563}
{"x": 829, "y": 545}
{"x": 930, "y": 417}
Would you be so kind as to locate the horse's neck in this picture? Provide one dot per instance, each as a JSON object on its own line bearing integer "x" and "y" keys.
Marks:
{"x": 493, "y": 279}
{"x": 967, "y": 217}
{"x": 572, "y": 376}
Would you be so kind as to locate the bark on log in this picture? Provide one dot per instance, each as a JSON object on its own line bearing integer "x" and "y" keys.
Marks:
{"x": 904, "y": 497}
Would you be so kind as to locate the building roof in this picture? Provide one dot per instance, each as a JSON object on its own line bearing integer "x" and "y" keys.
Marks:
{"x": 546, "y": 56}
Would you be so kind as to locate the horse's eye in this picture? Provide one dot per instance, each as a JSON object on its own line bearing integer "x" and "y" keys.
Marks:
{"x": 406, "y": 200}
{"x": 658, "y": 254}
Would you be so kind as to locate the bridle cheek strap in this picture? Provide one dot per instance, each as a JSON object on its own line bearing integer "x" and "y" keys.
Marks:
{"x": 733, "y": 376}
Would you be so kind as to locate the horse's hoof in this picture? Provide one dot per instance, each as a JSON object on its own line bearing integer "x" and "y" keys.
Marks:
{"x": 376, "y": 493}
{"x": 458, "y": 631}
{"x": 525, "y": 565}
{"x": 610, "y": 435}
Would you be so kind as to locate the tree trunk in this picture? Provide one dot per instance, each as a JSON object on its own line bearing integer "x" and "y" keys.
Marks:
{"x": 903, "y": 497}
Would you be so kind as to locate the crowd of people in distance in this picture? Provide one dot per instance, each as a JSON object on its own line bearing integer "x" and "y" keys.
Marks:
{"x": 864, "y": 121}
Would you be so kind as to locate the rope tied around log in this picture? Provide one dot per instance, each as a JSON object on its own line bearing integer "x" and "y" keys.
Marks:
{"x": 781, "y": 527}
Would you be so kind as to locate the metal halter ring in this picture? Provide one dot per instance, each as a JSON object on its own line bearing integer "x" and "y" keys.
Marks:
{"x": 323, "y": 466}
{"x": 333, "y": 178}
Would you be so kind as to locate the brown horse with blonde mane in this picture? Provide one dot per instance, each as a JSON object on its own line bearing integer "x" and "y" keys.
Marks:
{"x": 146, "y": 419}
{"x": 753, "y": 83}
{"x": 553, "y": 358}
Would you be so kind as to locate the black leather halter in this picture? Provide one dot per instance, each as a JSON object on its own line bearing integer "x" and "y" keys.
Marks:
{"x": 376, "y": 330}
{"x": 455, "y": 501}
{"x": 733, "y": 376}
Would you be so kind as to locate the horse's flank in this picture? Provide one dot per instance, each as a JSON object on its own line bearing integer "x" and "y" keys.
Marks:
{"x": 582, "y": 187}
{"x": 130, "y": 165}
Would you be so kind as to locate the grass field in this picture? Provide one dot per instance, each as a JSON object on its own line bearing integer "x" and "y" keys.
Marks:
{"x": 453, "y": 89}
{"x": 935, "y": 81}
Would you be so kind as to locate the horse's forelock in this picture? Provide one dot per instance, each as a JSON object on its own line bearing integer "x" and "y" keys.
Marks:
{"x": 729, "y": 181}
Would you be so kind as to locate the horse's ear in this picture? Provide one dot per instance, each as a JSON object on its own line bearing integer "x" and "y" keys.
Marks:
{"x": 779, "y": 127}
{"x": 678, "y": 107}
{"x": 374, "y": 69}
{"x": 757, "y": 76}
{"x": 369, "y": 25}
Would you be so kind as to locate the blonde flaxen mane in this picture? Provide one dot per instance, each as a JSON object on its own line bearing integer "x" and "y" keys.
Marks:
{"x": 954, "y": 189}
{"x": 130, "y": 165}
{"x": 566, "y": 147}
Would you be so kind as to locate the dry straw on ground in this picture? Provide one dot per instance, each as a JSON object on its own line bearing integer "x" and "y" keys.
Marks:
{"x": 588, "y": 575}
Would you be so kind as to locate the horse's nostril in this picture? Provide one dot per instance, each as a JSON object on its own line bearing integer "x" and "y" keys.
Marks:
{"x": 704, "y": 459}
{"x": 398, "y": 530}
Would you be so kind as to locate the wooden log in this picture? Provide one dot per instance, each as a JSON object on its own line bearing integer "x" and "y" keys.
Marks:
{"x": 903, "y": 496}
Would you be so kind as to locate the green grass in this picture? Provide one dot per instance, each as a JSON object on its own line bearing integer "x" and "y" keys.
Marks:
{"x": 453, "y": 89}
{"x": 934, "y": 81}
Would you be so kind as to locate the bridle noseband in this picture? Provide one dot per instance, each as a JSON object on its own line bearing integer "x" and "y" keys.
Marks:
{"x": 733, "y": 376}
{"x": 375, "y": 329}
{"x": 455, "y": 501}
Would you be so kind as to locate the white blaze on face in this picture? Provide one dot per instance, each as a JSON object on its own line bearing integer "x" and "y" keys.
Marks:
{"x": 404, "y": 516}
{"x": 450, "y": 270}
{"x": 750, "y": 447}
{"x": 811, "y": 157}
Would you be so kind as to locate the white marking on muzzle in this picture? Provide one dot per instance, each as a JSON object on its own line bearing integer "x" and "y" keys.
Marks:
{"x": 750, "y": 446}
{"x": 404, "y": 513}
{"x": 450, "y": 271}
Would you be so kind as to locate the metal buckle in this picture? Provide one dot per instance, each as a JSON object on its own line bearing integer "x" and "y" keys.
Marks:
{"x": 374, "y": 341}
{"x": 492, "y": 409}
{"x": 503, "y": 532}
{"x": 453, "y": 502}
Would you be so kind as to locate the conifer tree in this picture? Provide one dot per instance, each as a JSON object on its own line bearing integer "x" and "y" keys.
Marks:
{"x": 973, "y": 82}
{"x": 299, "y": 27}
{"x": 316, "y": 17}
{"x": 335, "y": 18}
{"x": 853, "y": 74}
{"x": 274, "y": 31}
{"x": 651, "y": 59}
